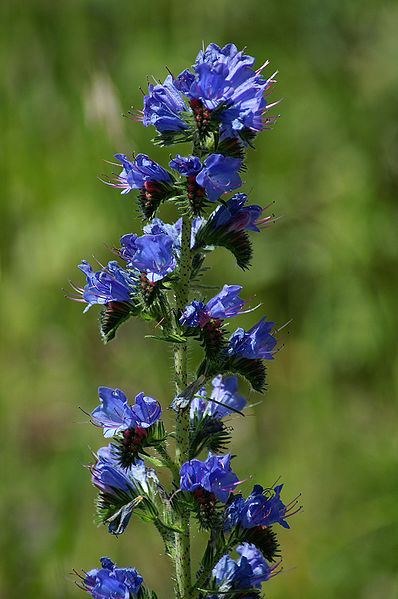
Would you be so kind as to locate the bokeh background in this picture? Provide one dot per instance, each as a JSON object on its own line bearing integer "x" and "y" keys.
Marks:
{"x": 328, "y": 424}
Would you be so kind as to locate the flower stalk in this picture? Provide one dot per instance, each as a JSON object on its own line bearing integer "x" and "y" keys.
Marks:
{"x": 182, "y": 541}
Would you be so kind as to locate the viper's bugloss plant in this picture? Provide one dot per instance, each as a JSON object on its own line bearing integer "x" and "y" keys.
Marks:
{"x": 219, "y": 107}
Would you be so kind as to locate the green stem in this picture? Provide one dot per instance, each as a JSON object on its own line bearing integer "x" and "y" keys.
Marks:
{"x": 182, "y": 541}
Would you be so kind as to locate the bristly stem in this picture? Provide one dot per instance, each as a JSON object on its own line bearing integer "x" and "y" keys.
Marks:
{"x": 182, "y": 548}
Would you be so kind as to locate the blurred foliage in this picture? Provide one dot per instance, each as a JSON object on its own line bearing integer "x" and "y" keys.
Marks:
{"x": 327, "y": 425}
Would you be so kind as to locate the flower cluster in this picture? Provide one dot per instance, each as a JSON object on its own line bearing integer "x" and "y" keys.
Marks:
{"x": 219, "y": 105}
{"x": 223, "y": 94}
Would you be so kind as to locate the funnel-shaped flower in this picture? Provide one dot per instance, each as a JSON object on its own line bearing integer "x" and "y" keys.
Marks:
{"x": 213, "y": 475}
{"x": 150, "y": 254}
{"x": 261, "y": 508}
{"x": 224, "y": 399}
{"x": 248, "y": 572}
{"x": 110, "y": 284}
{"x": 136, "y": 174}
{"x": 217, "y": 175}
{"x": 114, "y": 414}
{"x": 256, "y": 343}
{"x": 163, "y": 106}
{"x": 110, "y": 582}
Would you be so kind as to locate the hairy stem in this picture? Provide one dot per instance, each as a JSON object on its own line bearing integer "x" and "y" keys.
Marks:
{"x": 182, "y": 548}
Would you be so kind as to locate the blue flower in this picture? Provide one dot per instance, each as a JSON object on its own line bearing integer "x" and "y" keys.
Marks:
{"x": 119, "y": 487}
{"x": 150, "y": 254}
{"x": 191, "y": 316}
{"x": 186, "y": 165}
{"x": 214, "y": 475}
{"x": 225, "y": 304}
{"x": 225, "y": 83}
{"x": 261, "y": 508}
{"x": 231, "y": 575}
{"x": 225, "y": 398}
{"x": 115, "y": 415}
{"x": 110, "y": 478}
{"x": 235, "y": 216}
{"x": 261, "y": 571}
{"x": 248, "y": 572}
{"x": 110, "y": 582}
{"x": 111, "y": 284}
{"x": 257, "y": 343}
{"x": 219, "y": 175}
{"x": 143, "y": 173}
{"x": 184, "y": 81}
{"x": 157, "y": 226}
{"x": 162, "y": 107}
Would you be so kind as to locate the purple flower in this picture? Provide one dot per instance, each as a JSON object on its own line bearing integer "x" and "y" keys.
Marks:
{"x": 261, "y": 508}
{"x": 214, "y": 475}
{"x": 235, "y": 216}
{"x": 115, "y": 415}
{"x": 111, "y": 284}
{"x": 248, "y": 572}
{"x": 225, "y": 304}
{"x": 143, "y": 173}
{"x": 225, "y": 398}
{"x": 257, "y": 343}
{"x": 150, "y": 254}
{"x": 219, "y": 175}
{"x": 110, "y": 582}
{"x": 163, "y": 106}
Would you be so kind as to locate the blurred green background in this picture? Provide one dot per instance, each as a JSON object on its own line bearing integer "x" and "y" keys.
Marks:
{"x": 328, "y": 424}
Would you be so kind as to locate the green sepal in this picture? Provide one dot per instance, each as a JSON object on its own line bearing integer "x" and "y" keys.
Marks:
{"x": 208, "y": 433}
{"x": 263, "y": 537}
{"x": 112, "y": 316}
{"x": 231, "y": 147}
{"x": 237, "y": 242}
{"x": 253, "y": 371}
